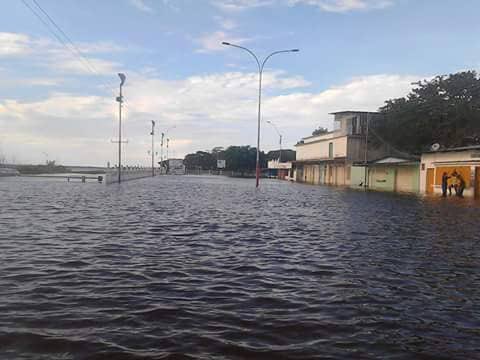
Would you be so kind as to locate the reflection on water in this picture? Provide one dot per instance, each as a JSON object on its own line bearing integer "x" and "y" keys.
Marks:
{"x": 203, "y": 267}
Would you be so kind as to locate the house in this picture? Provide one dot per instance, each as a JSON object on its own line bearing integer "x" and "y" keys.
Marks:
{"x": 395, "y": 174}
{"x": 279, "y": 170}
{"x": 462, "y": 160}
{"x": 328, "y": 158}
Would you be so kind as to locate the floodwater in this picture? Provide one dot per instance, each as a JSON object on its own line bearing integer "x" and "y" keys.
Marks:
{"x": 210, "y": 268}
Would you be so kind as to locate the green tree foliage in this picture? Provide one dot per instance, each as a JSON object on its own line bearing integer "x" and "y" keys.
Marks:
{"x": 319, "y": 131}
{"x": 243, "y": 158}
{"x": 287, "y": 155}
{"x": 201, "y": 160}
{"x": 444, "y": 110}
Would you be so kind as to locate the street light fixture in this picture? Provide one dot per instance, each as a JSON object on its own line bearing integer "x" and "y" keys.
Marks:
{"x": 153, "y": 148}
{"x": 280, "y": 136}
{"x": 161, "y": 143}
{"x": 120, "y": 101}
{"x": 261, "y": 66}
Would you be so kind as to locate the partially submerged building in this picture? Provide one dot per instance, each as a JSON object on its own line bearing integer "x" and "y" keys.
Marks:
{"x": 392, "y": 173}
{"x": 328, "y": 158}
{"x": 460, "y": 160}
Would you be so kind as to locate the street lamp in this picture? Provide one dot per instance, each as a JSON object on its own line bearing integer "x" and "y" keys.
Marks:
{"x": 153, "y": 148}
{"x": 161, "y": 144}
{"x": 120, "y": 101}
{"x": 260, "y": 73}
{"x": 280, "y": 136}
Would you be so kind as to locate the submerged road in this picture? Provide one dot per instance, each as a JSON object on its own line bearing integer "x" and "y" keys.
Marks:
{"x": 209, "y": 268}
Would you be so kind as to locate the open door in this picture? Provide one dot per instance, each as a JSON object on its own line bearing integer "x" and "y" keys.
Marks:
{"x": 430, "y": 181}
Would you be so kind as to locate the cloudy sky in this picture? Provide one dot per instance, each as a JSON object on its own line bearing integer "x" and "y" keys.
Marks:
{"x": 354, "y": 55}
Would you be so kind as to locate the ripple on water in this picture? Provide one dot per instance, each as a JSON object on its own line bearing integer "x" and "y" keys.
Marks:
{"x": 207, "y": 267}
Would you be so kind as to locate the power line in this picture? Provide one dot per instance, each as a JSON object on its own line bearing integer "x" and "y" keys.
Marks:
{"x": 73, "y": 49}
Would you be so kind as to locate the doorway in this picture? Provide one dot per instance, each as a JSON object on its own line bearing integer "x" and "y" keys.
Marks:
{"x": 430, "y": 180}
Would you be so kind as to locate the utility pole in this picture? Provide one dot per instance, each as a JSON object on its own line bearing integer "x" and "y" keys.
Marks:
{"x": 153, "y": 148}
{"x": 161, "y": 154}
{"x": 365, "y": 180}
{"x": 120, "y": 101}
{"x": 168, "y": 141}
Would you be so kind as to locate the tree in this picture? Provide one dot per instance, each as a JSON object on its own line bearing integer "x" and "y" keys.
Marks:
{"x": 319, "y": 131}
{"x": 243, "y": 159}
{"x": 444, "y": 110}
{"x": 201, "y": 160}
{"x": 287, "y": 155}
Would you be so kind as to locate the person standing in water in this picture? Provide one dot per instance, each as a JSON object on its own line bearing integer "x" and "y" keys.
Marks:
{"x": 445, "y": 178}
{"x": 460, "y": 185}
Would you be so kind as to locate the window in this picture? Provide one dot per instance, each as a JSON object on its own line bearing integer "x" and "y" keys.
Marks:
{"x": 330, "y": 150}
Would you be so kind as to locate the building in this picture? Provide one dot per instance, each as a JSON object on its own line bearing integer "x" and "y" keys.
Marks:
{"x": 175, "y": 167}
{"x": 279, "y": 170}
{"x": 462, "y": 160}
{"x": 328, "y": 158}
{"x": 395, "y": 174}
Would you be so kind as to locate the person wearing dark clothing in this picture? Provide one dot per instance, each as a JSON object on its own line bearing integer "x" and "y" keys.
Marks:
{"x": 445, "y": 178}
{"x": 460, "y": 185}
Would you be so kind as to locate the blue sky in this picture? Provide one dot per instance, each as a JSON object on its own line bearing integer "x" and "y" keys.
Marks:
{"x": 354, "y": 54}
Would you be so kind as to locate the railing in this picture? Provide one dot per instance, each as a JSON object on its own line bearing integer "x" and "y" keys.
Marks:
{"x": 129, "y": 173}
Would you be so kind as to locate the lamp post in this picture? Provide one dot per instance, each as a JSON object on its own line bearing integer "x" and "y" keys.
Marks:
{"x": 153, "y": 148}
{"x": 280, "y": 142}
{"x": 168, "y": 140}
{"x": 120, "y": 101}
{"x": 163, "y": 136}
{"x": 161, "y": 154}
{"x": 261, "y": 66}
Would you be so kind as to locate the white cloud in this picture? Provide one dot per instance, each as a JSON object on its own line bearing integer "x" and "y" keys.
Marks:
{"x": 14, "y": 44}
{"x": 239, "y": 5}
{"x": 226, "y": 24}
{"x": 208, "y": 110}
{"x": 325, "y": 5}
{"x": 213, "y": 42}
{"x": 56, "y": 57}
{"x": 141, "y": 5}
{"x": 344, "y": 5}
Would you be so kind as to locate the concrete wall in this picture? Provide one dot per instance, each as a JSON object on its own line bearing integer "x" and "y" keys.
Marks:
{"x": 407, "y": 178}
{"x": 381, "y": 178}
{"x": 111, "y": 177}
{"x": 320, "y": 149}
{"x": 357, "y": 176}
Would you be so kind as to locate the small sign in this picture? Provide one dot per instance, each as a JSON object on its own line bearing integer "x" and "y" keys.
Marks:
{"x": 475, "y": 154}
{"x": 221, "y": 164}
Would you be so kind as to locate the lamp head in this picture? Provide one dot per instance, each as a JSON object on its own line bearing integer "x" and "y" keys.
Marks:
{"x": 295, "y": 50}
{"x": 225, "y": 43}
{"x": 122, "y": 78}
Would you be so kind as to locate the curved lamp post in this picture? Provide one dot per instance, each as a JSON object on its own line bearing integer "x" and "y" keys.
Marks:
{"x": 280, "y": 136}
{"x": 261, "y": 66}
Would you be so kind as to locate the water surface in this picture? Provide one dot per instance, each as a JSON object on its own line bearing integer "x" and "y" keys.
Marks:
{"x": 210, "y": 268}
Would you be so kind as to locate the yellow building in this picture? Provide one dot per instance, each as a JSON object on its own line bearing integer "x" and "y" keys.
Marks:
{"x": 328, "y": 158}
{"x": 461, "y": 160}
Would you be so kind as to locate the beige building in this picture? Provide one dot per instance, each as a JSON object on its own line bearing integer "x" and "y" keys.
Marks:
{"x": 328, "y": 158}
{"x": 462, "y": 160}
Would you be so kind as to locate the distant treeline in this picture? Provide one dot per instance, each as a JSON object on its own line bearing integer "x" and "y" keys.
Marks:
{"x": 49, "y": 168}
{"x": 240, "y": 159}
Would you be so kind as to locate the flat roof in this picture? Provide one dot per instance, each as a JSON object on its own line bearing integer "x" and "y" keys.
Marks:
{"x": 460, "y": 148}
